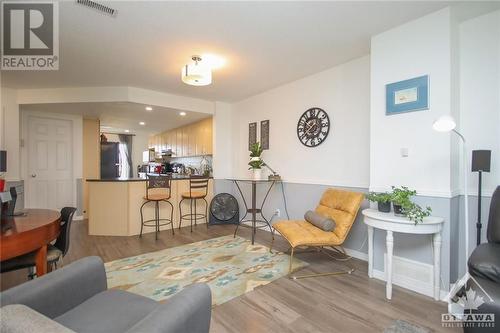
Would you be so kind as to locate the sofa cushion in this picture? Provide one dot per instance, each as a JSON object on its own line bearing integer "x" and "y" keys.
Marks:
{"x": 109, "y": 311}
{"x": 18, "y": 318}
{"x": 484, "y": 262}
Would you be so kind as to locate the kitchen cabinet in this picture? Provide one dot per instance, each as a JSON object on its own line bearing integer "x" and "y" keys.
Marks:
{"x": 171, "y": 141}
{"x": 180, "y": 151}
{"x": 157, "y": 145}
{"x": 185, "y": 141}
{"x": 164, "y": 141}
{"x": 199, "y": 136}
{"x": 207, "y": 137}
{"x": 191, "y": 137}
{"x": 191, "y": 140}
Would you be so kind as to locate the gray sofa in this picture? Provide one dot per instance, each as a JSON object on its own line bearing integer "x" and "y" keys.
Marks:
{"x": 76, "y": 298}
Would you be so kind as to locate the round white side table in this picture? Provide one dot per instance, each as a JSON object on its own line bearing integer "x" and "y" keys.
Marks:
{"x": 391, "y": 223}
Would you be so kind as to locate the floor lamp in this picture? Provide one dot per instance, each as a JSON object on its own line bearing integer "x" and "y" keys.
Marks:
{"x": 481, "y": 162}
{"x": 448, "y": 124}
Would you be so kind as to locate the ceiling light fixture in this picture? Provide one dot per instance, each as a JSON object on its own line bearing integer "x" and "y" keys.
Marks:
{"x": 182, "y": 113}
{"x": 148, "y": 108}
{"x": 196, "y": 74}
{"x": 213, "y": 61}
{"x": 142, "y": 123}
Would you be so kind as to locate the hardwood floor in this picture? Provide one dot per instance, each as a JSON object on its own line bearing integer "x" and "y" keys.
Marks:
{"x": 347, "y": 303}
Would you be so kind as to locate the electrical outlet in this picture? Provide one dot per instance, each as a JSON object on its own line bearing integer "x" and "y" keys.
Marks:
{"x": 277, "y": 212}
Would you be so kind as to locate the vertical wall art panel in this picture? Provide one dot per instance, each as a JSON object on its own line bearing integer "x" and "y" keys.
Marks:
{"x": 252, "y": 134}
{"x": 264, "y": 134}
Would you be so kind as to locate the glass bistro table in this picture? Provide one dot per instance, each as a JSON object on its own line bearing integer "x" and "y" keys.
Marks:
{"x": 254, "y": 223}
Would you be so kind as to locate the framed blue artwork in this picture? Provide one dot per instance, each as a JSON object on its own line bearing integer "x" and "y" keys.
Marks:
{"x": 407, "y": 96}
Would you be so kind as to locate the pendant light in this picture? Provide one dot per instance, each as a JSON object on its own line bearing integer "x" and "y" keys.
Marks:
{"x": 196, "y": 74}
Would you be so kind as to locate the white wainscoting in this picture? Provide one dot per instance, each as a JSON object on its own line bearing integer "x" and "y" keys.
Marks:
{"x": 409, "y": 274}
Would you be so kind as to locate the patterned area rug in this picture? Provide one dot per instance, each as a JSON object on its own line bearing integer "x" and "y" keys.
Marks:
{"x": 230, "y": 266}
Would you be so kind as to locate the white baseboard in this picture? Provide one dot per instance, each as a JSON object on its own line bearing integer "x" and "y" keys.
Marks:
{"x": 412, "y": 275}
{"x": 357, "y": 254}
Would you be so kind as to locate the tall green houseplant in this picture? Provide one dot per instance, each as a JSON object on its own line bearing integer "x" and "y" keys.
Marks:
{"x": 255, "y": 160}
{"x": 256, "y": 163}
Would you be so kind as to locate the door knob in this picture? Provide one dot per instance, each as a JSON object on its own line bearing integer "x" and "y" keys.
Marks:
{"x": 33, "y": 175}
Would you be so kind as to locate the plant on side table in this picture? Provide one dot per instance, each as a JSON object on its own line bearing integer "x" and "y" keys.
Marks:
{"x": 383, "y": 201}
{"x": 416, "y": 213}
{"x": 403, "y": 206}
{"x": 400, "y": 198}
{"x": 256, "y": 163}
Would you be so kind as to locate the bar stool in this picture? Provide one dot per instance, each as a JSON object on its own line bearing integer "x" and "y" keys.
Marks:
{"x": 198, "y": 190}
{"x": 158, "y": 189}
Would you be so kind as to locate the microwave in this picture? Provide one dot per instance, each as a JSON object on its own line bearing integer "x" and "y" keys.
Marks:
{"x": 148, "y": 156}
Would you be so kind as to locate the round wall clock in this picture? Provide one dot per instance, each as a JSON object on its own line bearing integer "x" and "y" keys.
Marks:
{"x": 313, "y": 127}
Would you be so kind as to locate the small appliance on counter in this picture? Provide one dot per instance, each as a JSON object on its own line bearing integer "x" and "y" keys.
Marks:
{"x": 167, "y": 168}
{"x": 178, "y": 168}
{"x": 142, "y": 170}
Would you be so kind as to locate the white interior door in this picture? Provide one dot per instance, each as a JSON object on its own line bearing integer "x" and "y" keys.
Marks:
{"x": 50, "y": 163}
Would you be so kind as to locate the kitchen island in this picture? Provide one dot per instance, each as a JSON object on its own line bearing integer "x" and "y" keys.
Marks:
{"x": 114, "y": 205}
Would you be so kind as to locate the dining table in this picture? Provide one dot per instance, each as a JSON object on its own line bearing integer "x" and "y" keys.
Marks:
{"x": 29, "y": 232}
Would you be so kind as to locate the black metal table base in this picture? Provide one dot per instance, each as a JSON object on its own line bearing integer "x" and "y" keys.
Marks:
{"x": 254, "y": 211}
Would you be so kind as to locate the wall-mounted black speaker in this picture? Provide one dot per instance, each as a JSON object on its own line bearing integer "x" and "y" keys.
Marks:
{"x": 481, "y": 160}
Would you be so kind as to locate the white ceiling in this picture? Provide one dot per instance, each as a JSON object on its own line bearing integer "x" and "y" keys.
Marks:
{"x": 265, "y": 44}
{"x": 123, "y": 115}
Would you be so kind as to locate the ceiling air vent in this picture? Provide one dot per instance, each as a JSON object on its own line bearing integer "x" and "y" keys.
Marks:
{"x": 97, "y": 6}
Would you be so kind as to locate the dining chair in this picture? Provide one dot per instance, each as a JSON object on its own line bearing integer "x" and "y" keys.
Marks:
{"x": 55, "y": 252}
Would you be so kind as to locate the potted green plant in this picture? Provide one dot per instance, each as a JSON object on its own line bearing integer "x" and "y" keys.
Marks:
{"x": 416, "y": 213}
{"x": 400, "y": 198}
{"x": 403, "y": 206}
{"x": 256, "y": 163}
{"x": 383, "y": 201}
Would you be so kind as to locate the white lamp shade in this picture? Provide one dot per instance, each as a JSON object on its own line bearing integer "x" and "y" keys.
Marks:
{"x": 444, "y": 124}
{"x": 196, "y": 75}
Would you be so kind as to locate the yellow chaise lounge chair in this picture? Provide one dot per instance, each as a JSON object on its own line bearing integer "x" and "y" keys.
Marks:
{"x": 339, "y": 205}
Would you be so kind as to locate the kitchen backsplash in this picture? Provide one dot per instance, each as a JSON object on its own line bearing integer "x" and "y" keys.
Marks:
{"x": 192, "y": 161}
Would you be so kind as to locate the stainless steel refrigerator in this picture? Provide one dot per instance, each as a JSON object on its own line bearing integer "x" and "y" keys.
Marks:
{"x": 110, "y": 160}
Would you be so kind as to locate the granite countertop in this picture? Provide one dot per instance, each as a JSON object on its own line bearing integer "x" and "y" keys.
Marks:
{"x": 137, "y": 179}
